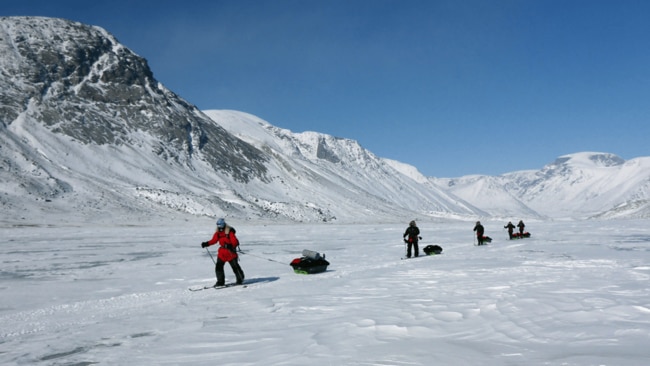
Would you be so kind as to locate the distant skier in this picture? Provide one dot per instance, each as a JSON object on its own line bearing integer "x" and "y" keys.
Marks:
{"x": 227, "y": 252}
{"x": 510, "y": 228}
{"x": 521, "y": 227}
{"x": 480, "y": 230}
{"x": 413, "y": 234}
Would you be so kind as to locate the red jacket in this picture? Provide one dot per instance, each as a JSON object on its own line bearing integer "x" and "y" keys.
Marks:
{"x": 225, "y": 237}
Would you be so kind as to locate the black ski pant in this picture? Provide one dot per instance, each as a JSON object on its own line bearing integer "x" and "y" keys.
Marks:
{"x": 413, "y": 245}
{"x": 236, "y": 268}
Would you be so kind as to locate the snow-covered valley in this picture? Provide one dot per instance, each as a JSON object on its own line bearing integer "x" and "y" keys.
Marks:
{"x": 575, "y": 293}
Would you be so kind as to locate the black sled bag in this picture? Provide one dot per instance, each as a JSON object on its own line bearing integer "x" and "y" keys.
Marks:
{"x": 432, "y": 249}
{"x": 311, "y": 262}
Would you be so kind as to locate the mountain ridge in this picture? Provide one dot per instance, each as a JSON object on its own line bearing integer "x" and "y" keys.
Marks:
{"x": 90, "y": 135}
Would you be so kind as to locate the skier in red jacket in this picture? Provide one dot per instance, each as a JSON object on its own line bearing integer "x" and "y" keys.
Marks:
{"x": 228, "y": 243}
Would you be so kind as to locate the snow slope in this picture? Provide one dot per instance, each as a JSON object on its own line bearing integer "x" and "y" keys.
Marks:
{"x": 348, "y": 178}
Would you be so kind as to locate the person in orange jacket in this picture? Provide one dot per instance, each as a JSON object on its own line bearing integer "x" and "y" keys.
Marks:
{"x": 227, "y": 252}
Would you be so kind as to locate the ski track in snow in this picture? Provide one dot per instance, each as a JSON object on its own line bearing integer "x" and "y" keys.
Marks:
{"x": 109, "y": 295}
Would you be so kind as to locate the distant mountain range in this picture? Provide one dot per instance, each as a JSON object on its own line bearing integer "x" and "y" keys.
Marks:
{"x": 90, "y": 135}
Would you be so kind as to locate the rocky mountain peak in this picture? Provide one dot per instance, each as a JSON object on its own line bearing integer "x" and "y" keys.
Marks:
{"x": 79, "y": 81}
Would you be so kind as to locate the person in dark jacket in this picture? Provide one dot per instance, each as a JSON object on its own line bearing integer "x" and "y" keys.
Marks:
{"x": 510, "y": 228}
{"x": 480, "y": 230}
{"x": 521, "y": 227}
{"x": 411, "y": 237}
{"x": 227, "y": 252}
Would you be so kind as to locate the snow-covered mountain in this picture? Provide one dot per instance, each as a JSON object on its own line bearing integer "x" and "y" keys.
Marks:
{"x": 594, "y": 185}
{"x": 581, "y": 185}
{"x": 88, "y": 133}
{"x": 338, "y": 174}
{"x": 86, "y": 127}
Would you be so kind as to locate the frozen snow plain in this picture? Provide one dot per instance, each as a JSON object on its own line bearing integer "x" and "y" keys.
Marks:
{"x": 575, "y": 293}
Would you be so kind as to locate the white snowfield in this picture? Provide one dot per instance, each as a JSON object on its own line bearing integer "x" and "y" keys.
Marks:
{"x": 575, "y": 293}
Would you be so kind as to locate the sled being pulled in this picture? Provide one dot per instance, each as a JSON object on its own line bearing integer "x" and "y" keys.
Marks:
{"x": 486, "y": 239}
{"x": 432, "y": 249}
{"x": 520, "y": 236}
{"x": 310, "y": 262}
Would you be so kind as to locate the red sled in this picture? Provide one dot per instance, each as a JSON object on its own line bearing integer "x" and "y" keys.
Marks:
{"x": 520, "y": 236}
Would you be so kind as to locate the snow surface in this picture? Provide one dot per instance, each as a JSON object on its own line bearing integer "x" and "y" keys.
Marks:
{"x": 575, "y": 293}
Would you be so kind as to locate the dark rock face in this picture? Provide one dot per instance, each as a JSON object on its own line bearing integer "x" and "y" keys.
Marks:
{"x": 81, "y": 82}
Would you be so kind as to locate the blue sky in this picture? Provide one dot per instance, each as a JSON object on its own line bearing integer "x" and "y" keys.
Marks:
{"x": 452, "y": 87}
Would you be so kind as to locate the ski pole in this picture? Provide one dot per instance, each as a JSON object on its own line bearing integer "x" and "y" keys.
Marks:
{"x": 211, "y": 257}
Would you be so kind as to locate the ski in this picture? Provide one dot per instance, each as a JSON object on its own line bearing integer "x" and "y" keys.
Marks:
{"x": 421, "y": 256}
{"x": 229, "y": 285}
{"x": 216, "y": 287}
{"x": 247, "y": 282}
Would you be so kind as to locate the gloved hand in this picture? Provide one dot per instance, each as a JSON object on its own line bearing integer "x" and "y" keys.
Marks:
{"x": 419, "y": 237}
{"x": 204, "y": 244}
{"x": 406, "y": 241}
